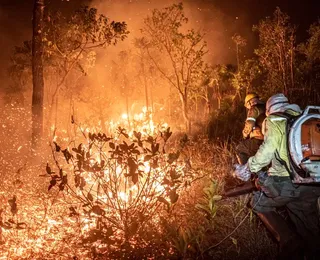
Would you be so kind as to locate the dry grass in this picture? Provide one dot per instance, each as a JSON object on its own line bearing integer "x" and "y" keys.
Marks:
{"x": 233, "y": 232}
{"x": 184, "y": 231}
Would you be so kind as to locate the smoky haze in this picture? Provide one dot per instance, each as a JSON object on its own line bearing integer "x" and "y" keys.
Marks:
{"x": 203, "y": 15}
{"x": 15, "y": 28}
{"x": 218, "y": 19}
{"x": 217, "y": 27}
{"x": 16, "y": 21}
{"x": 217, "y": 24}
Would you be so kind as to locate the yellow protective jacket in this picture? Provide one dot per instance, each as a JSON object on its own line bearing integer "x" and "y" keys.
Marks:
{"x": 253, "y": 124}
{"x": 274, "y": 147}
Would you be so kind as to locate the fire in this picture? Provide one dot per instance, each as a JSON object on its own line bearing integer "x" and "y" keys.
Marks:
{"x": 114, "y": 186}
{"x": 141, "y": 122}
{"x": 124, "y": 116}
{"x": 122, "y": 195}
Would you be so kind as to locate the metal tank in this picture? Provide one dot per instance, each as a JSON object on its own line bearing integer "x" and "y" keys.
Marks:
{"x": 304, "y": 146}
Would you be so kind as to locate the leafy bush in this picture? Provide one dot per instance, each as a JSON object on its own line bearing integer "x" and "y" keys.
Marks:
{"x": 226, "y": 123}
{"x": 119, "y": 184}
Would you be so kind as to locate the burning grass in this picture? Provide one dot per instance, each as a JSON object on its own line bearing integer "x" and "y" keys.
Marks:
{"x": 130, "y": 195}
{"x": 105, "y": 196}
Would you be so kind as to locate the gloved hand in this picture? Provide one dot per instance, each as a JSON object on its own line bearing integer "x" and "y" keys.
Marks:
{"x": 245, "y": 135}
{"x": 242, "y": 172}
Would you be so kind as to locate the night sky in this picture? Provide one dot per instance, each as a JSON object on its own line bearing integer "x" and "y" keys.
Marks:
{"x": 220, "y": 19}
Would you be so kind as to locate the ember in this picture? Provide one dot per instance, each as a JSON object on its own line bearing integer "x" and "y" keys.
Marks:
{"x": 104, "y": 192}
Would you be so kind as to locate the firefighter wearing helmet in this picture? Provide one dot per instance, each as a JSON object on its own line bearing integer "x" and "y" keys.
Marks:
{"x": 252, "y": 131}
{"x": 278, "y": 191}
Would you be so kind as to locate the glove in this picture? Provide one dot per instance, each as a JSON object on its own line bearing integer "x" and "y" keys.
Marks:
{"x": 245, "y": 135}
{"x": 242, "y": 172}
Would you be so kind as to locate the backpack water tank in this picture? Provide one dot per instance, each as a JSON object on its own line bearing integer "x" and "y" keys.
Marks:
{"x": 304, "y": 146}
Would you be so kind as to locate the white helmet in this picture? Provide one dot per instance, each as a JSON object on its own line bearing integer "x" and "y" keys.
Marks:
{"x": 277, "y": 99}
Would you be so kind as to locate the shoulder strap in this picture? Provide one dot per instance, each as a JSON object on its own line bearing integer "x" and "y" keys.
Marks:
{"x": 277, "y": 155}
{"x": 291, "y": 167}
{"x": 284, "y": 163}
{"x": 282, "y": 114}
{"x": 290, "y": 118}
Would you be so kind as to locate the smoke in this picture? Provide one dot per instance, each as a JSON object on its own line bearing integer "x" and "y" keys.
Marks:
{"x": 218, "y": 20}
{"x": 217, "y": 26}
{"x": 203, "y": 15}
{"x": 16, "y": 28}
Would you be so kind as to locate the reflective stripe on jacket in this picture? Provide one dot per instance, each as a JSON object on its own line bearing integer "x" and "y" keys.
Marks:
{"x": 253, "y": 124}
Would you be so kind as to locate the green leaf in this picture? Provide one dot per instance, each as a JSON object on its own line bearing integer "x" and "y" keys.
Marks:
{"x": 217, "y": 197}
{"x": 234, "y": 241}
{"x": 202, "y": 207}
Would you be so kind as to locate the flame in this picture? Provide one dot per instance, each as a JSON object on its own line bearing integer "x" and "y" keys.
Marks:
{"x": 124, "y": 116}
{"x": 141, "y": 122}
{"x": 53, "y": 224}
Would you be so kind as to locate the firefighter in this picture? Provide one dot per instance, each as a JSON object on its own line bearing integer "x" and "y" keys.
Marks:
{"x": 251, "y": 132}
{"x": 277, "y": 189}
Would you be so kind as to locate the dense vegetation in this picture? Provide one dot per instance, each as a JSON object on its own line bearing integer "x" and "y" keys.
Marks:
{"x": 147, "y": 185}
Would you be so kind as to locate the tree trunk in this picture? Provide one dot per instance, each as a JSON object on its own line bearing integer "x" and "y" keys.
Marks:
{"x": 128, "y": 116}
{"x": 185, "y": 113}
{"x": 101, "y": 116}
{"x": 37, "y": 73}
{"x": 219, "y": 96}
{"x": 238, "y": 62}
{"x": 145, "y": 84}
{"x": 291, "y": 64}
{"x": 151, "y": 97}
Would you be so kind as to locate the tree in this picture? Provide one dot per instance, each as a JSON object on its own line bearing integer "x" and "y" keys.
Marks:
{"x": 309, "y": 65}
{"x": 245, "y": 80}
{"x": 276, "y": 51}
{"x": 240, "y": 42}
{"x": 70, "y": 42}
{"x": 20, "y": 71}
{"x": 311, "y": 49}
{"x": 217, "y": 82}
{"x": 37, "y": 72}
{"x": 140, "y": 43}
{"x": 182, "y": 52}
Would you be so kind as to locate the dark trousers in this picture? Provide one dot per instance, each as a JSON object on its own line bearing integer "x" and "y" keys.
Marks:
{"x": 301, "y": 204}
{"x": 247, "y": 148}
